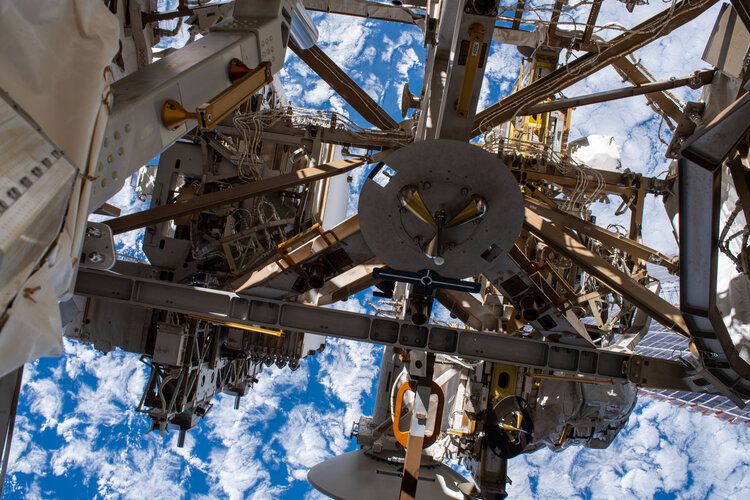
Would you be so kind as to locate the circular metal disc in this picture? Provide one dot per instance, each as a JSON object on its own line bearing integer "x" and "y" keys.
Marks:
{"x": 447, "y": 174}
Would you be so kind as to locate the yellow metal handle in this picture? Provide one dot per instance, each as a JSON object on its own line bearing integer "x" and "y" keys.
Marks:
{"x": 476, "y": 33}
{"x": 245, "y": 82}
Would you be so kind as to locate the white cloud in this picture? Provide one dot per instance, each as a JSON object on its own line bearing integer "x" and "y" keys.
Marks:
{"x": 309, "y": 437}
{"x": 662, "y": 449}
{"x": 319, "y": 94}
{"x": 26, "y": 456}
{"x": 342, "y": 38}
{"x": 347, "y": 370}
{"x": 374, "y": 87}
{"x": 408, "y": 61}
{"x": 46, "y": 399}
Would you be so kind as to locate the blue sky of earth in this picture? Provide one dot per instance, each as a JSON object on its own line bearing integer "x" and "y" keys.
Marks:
{"x": 78, "y": 435}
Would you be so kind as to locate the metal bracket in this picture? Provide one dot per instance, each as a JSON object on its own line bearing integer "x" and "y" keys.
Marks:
{"x": 245, "y": 82}
{"x": 98, "y": 247}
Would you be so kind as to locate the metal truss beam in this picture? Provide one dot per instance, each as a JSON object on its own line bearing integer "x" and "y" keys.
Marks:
{"x": 468, "y": 309}
{"x": 348, "y": 283}
{"x": 739, "y": 167}
{"x": 711, "y": 145}
{"x": 226, "y": 307}
{"x": 283, "y": 133}
{"x": 555, "y": 17}
{"x": 618, "y": 281}
{"x": 10, "y": 388}
{"x": 632, "y": 247}
{"x": 519, "y": 14}
{"x": 663, "y": 103}
{"x": 368, "y": 10}
{"x": 304, "y": 251}
{"x": 231, "y": 195}
{"x": 652, "y": 90}
{"x": 614, "y": 182}
{"x": 347, "y": 88}
{"x": 652, "y": 29}
{"x": 700, "y": 199}
{"x": 591, "y": 22}
{"x": 743, "y": 11}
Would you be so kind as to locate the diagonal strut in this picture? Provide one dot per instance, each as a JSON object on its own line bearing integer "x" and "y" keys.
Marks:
{"x": 347, "y": 88}
{"x": 648, "y": 31}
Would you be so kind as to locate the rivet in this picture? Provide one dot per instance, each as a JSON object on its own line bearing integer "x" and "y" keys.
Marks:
{"x": 121, "y": 151}
{"x": 106, "y": 141}
{"x": 115, "y": 175}
{"x": 127, "y": 127}
{"x": 110, "y": 158}
{"x": 117, "y": 134}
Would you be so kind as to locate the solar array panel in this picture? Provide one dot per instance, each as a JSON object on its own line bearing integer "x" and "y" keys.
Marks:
{"x": 662, "y": 343}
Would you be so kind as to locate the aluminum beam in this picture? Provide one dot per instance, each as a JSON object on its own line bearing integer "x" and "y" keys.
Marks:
{"x": 634, "y": 248}
{"x": 225, "y": 307}
{"x": 519, "y": 14}
{"x": 283, "y": 133}
{"x": 656, "y": 27}
{"x": 700, "y": 198}
{"x": 368, "y": 10}
{"x": 663, "y": 103}
{"x": 635, "y": 293}
{"x": 555, "y": 17}
{"x": 347, "y": 88}
{"x": 231, "y": 195}
{"x": 709, "y": 146}
{"x": 10, "y": 388}
{"x": 614, "y": 182}
{"x": 591, "y": 22}
{"x": 743, "y": 11}
{"x": 739, "y": 167}
{"x": 650, "y": 89}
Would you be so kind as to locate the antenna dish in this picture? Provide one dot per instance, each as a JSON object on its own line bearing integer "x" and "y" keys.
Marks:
{"x": 408, "y": 100}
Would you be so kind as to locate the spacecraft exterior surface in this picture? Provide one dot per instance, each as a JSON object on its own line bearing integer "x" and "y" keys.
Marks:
{"x": 493, "y": 214}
